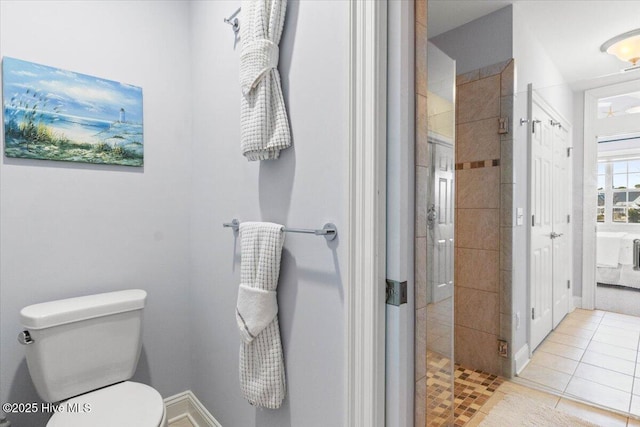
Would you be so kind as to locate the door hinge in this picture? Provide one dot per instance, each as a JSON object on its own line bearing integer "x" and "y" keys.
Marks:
{"x": 569, "y": 151}
{"x": 533, "y": 220}
{"x": 533, "y": 313}
{"x": 568, "y": 284}
{"x": 396, "y": 292}
{"x": 568, "y": 219}
{"x": 503, "y": 125}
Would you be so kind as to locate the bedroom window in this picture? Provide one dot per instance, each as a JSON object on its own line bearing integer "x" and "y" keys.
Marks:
{"x": 618, "y": 180}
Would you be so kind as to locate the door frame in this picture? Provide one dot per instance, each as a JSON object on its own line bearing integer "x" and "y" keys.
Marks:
{"x": 593, "y": 128}
{"x": 535, "y": 97}
{"x": 365, "y": 293}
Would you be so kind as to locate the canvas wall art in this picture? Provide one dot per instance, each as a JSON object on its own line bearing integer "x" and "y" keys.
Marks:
{"x": 53, "y": 114}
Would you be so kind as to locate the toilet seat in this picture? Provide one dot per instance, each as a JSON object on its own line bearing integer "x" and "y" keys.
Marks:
{"x": 126, "y": 404}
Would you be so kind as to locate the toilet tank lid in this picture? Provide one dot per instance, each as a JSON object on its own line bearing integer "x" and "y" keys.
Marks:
{"x": 54, "y": 313}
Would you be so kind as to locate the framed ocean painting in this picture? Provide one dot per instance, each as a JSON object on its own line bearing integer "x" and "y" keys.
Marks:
{"x": 53, "y": 114}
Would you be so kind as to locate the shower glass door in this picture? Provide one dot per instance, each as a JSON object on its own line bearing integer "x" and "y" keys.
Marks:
{"x": 440, "y": 235}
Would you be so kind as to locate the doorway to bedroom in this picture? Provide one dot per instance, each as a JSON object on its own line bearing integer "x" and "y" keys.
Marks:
{"x": 612, "y": 189}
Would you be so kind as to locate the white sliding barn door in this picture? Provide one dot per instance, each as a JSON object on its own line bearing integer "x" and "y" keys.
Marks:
{"x": 550, "y": 252}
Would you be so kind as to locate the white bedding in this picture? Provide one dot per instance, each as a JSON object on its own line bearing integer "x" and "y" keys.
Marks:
{"x": 623, "y": 273}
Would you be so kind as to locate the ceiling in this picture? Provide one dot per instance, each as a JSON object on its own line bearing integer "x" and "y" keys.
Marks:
{"x": 571, "y": 31}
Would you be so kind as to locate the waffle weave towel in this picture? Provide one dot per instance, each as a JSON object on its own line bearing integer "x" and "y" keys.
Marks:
{"x": 263, "y": 116}
{"x": 262, "y": 377}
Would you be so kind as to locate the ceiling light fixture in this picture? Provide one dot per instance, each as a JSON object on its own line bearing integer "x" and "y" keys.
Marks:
{"x": 625, "y": 46}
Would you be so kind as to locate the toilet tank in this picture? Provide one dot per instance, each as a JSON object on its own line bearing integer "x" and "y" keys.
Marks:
{"x": 81, "y": 344}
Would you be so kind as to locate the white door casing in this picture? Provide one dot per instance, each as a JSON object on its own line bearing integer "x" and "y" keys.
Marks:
{"x": 364, "y": 399}
{"x": 592, "y": 129}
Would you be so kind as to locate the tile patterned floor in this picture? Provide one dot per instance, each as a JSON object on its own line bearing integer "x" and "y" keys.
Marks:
{"x": 597, "y": 416}
{"x": 591, "y": 356}
{"x": 473, "y": 389}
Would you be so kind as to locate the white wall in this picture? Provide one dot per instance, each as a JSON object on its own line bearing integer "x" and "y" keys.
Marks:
{"x": 533, "y": 65}
{"x": 72, "y": 229}
{"x": 306, "y": 187}
{"x": 479, "y": 43}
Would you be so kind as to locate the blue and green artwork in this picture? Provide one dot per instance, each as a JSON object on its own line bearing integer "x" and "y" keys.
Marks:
{"x": 53, "y": 114}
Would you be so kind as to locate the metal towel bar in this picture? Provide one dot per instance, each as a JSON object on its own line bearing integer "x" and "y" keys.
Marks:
{"x": 636, "y": 254}
{"x": 329, "y": 230}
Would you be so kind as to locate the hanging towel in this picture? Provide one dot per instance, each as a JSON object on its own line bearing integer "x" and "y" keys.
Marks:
{"x": 261, "y": 361}
{"x": 263, "y": 116}
{"x": 608, "y": 249}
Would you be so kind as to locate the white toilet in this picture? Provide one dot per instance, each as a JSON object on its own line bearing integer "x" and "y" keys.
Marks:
{"x": 81, "y": 352}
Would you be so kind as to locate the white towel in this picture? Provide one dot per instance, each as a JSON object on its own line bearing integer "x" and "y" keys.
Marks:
{"x": 263, "y": 116}
{"x": 262, "y": 378}
{"x": 608, "y": 249}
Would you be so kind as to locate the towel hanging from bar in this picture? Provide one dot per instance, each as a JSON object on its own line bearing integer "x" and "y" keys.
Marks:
{"x": 263, "y": 115}
{"x": 262, "y": 377}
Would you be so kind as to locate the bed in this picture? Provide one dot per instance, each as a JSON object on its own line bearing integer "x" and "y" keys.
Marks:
{"x": 615, "y": 260}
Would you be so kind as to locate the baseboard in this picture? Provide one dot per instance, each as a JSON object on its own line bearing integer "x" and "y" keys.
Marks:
{"x": 577, "y": 302}
{"x": 522, "y": 358}
{"x": 186, "y": 405}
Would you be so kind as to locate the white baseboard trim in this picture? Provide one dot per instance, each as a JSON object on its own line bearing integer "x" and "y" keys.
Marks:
{"x": 522, "y": 358}
{"x": 577, "y": 302}
{"x": 186, "y": 405}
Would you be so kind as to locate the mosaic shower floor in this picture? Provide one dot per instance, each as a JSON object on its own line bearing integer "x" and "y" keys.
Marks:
{"x": 472, "y": 389}
{"x": 476, "y": 393}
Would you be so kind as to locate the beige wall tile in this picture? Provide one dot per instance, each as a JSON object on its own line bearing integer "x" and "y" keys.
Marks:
{"x": 421, "y": 59}
{"x": 420, "y": 409}
{"x": 477, "y": 228}
{"x": 506, "y": 161}
{"x": 477, "y": 269}
{"x": 492, "y": 70}
{"x": 505, "y": 292}
{"x": 506, "y": 110}
{"x": 477, "y": 310}
{"x": 422, "y": 182}
{"x": 507, "y": 80}
{"x": 422, "y": 131}
{"x": 421, "y": 12}
{"x": 421, "y": 272}
{"x": 477, "y": 349}
{"x": 471, "y": 76}
{"x": 506, "y": 244}
{"x": 421, "y": 343}
{"x": 478, "y": 100}
{"x": 478, "y": 188}
{"x": 477, "y": 140}
{"x": 506, "y": 205}
{"x": 505, "y": 328}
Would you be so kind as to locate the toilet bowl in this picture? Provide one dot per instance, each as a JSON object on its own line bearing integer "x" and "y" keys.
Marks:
{"x": 126, "y": 403}
{"x": 81, "y": 352}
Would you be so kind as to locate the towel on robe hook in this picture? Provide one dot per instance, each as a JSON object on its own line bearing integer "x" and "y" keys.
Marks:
{"x": 263, "y": 115}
